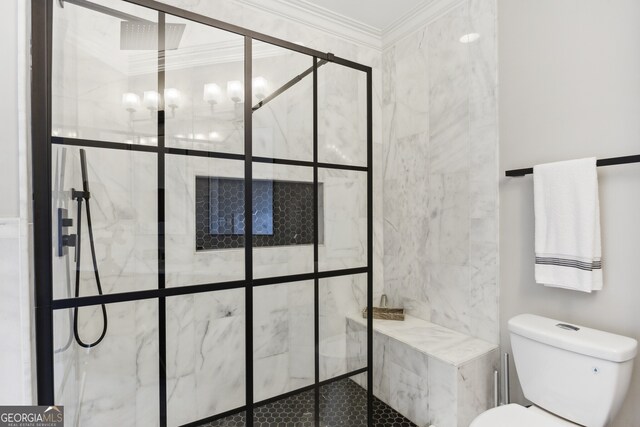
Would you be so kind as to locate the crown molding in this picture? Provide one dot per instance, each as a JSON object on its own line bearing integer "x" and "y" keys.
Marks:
{"x": 201, "y": 55}
{"x": 309, "y": 14}
{"x": 301, "y": 11}
{"x": 416, "y": 18}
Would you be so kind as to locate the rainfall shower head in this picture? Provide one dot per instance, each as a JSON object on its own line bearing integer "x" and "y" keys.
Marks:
{"x": 136, "y": 33}
{"x": 143, "y": 35}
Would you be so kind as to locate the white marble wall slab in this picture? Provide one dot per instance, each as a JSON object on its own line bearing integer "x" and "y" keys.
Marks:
{"x": 483, "y": 190}
{"x": 440, "y": 176}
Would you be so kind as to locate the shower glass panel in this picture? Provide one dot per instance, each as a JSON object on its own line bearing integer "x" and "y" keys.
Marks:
{"x": 342, "y": 115}
{"x": 207, "y": 225}
{"x": 122, "y": 205}
{"x": 116, "y": 382}
{"x": 204, "y": 89}
{"x": 205, "y": 341}
{"x": 282, "y": 103}
{"x": 191, "y": 207}
{"x": 283, "y": 344}
{"x": 101, "y": 67}
{"x": 345, "y": 219}
{"x": 286, "y": 247}
{"x": 343, "y": 331}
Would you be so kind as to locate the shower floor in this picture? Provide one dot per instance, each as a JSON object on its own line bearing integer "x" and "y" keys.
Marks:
{"x": 342, "y": 403}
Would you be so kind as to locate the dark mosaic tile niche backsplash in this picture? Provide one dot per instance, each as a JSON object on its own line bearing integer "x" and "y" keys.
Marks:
{"x": 282, "y": 213}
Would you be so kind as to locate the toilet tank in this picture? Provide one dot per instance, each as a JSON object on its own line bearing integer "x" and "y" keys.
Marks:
{"x": 577, "y": 373}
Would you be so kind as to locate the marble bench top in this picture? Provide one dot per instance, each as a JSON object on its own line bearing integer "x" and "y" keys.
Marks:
{"x": 433, "y": 340}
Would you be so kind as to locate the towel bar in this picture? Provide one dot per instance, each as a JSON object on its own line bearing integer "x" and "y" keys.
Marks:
{"x": 602, "y": 162}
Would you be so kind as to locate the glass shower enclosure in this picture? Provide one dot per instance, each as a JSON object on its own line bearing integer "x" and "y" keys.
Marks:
{"x": 202, "y": 221}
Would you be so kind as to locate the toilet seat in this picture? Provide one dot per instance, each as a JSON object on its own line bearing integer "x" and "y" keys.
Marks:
{"x": 515, "y": 415}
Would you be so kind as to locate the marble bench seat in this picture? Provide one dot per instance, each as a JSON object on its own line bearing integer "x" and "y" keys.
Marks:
{"x": 428, "y": 373}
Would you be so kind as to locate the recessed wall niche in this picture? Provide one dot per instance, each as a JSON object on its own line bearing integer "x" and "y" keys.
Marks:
{"x": 282, "y": 213}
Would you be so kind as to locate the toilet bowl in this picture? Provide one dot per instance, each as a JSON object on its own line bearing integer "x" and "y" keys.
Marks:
{"x": 574, "y": 376}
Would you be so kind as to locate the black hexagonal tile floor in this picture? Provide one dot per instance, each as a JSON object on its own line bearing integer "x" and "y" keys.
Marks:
{"x": 342, "y": 403}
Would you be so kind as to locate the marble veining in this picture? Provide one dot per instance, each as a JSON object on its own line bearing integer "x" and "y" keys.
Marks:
{"x": 428, "y": 373}
{"x": 437, "y": 341}
{"x": 441, "y": 171}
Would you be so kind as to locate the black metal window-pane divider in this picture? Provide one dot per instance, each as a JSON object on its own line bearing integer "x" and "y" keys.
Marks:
{"x": 162, "y": 302}
{"x": 42, "y": 23}
{"x": 316, "y": 229}
{"x": 41, "y": 33}
{"x": 248, "y": 227}
{"x": 370, "y": 248}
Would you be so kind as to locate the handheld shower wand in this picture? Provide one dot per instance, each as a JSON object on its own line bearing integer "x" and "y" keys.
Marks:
{"x": 81, "y": 196}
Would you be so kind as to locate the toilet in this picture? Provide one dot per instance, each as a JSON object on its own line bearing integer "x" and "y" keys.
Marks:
{"x": 574, "y": 376}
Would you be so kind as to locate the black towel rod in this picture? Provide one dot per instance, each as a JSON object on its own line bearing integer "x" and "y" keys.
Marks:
{"x": 601, "y": 162}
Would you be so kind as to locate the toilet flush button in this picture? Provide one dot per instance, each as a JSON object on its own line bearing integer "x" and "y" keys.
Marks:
{"x": 567, "y": 327}
{"x": 595, "y": 370}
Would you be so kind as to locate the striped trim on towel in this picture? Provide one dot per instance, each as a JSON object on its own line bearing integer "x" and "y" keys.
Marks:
{"x": 565, "y": 262}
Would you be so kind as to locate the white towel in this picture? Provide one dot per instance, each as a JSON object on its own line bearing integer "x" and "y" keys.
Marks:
{"x": 568, "y": 250}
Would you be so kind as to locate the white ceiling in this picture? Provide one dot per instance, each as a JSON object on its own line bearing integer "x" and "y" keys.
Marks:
{"x": 379, "y": 14}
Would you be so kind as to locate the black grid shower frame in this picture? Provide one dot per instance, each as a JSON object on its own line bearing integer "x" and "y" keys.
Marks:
{"x": 42, "y": 23}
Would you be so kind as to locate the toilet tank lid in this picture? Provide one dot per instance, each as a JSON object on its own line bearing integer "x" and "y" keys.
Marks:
{"x": 578, "y": 339}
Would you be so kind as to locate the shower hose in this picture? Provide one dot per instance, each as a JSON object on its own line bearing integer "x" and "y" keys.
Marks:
{"x": 81, "y": 196}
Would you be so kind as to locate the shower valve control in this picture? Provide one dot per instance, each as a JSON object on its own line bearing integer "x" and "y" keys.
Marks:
{"x": 64, "y": 240}
{"x": 69, "y": 240}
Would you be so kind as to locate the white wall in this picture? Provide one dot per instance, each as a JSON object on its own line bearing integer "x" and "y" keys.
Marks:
{"x": 569, "y": 88}
{"x": 8, "y": 111}
{"x": 15, "y": 289}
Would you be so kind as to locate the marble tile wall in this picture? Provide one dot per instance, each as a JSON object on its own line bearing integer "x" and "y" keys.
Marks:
{"x": 440, "y": 171}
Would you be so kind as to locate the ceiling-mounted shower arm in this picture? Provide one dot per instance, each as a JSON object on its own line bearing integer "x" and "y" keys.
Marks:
{"x": 105, "y": 10}
{"x": 290, "y": 83}
{"x": 136, "y": 33}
